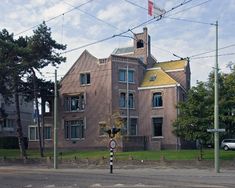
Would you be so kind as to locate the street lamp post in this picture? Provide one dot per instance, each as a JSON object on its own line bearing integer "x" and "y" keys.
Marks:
{"x": 216, "y": 109}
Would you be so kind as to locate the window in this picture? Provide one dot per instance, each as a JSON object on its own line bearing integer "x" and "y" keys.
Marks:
{"x": 122, "y": 100}
{"x": 157, "y": 126}
{"x": 47, "y": 107}
{"x": 74, "y": 103}
{"x": 9, "y": 123}
{"x": 140, "y": 44}
{"x": 85, "y": 78}
{"x": 74, "y": 129}
{"x": 47, "y": 133}
{"x": 123, "y": 76}
{"x": 131, "y": 76}
{"x": 131, "y": 100}
{"x": 33, "y": 133}
{"x": 157, "y": 100}
{"x": 152, "y": 78}
{"x": 132, "y": 126}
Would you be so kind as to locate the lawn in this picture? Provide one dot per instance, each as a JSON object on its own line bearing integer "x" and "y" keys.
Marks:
{"x": 208, "y": 154}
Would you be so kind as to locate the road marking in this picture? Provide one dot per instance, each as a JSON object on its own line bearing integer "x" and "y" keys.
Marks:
{"x": 119, "y": 185}
{"x": 139, "y": 185}
{"x": 28, "y": 186}
{"x": 96, "y": 185}
{"x": 208, "y": 186}
{"x": 49, "y": 186}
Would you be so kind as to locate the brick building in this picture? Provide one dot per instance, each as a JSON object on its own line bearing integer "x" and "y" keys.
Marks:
{"x": 95, "y": 89}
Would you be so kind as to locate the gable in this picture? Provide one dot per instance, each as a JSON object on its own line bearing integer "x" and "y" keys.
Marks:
{"x": 84, "y": 57}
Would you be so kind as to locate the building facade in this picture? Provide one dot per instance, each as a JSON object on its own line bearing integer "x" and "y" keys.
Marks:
{"x": 8, "y": 126}
{"x": 131, "y": 83}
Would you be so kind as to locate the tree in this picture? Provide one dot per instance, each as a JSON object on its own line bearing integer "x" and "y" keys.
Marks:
{"x": 227, "y": 104}
{"x": 12, "y": 70}
{"x": 197, "y": 112}
{"x": 45, "y": 91}
{"x": 42, "y": 52}
{"x": 196, "y": 115}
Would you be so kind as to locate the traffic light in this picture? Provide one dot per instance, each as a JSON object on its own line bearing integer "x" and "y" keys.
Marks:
{"x": 115, "y": 130}
{"x": 112, "y": 132}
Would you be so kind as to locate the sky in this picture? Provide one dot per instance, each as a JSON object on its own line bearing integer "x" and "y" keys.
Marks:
{"x": 186, "y": 31}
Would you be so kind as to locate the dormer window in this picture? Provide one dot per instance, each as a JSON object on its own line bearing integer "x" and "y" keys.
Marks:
{"x": 140, "y": 44}
{"x": 153, "y": 78}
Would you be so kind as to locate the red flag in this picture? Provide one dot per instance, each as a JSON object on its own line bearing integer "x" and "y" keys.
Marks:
{"x": 150, "y": 7}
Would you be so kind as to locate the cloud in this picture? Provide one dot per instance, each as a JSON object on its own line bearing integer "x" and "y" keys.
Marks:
{"x": 55, "y": 10}
{"x": 115, "y": 12}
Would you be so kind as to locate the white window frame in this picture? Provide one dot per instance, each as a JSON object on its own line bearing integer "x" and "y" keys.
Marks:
{"x": 35, "y": 132}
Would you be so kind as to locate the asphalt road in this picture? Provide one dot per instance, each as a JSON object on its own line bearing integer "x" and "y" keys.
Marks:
{"x": 25, "y": 177}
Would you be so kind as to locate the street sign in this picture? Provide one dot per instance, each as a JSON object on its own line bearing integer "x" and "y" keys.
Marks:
{"x": 112, "y": 144}
{"x": 215, "y": 130}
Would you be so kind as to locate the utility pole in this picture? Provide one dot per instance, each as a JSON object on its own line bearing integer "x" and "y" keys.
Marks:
{"x": 55, "y": 122}
{"x": 127, "y": 99}
{"x": 216, "y": 109}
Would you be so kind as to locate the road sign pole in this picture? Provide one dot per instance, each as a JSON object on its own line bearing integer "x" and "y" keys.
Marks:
{"x": 111, "y": 160}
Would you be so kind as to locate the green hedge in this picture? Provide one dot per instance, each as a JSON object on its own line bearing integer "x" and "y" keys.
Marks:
{"x": 11, "y": 142}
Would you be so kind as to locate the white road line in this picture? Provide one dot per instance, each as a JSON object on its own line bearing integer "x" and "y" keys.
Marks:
{"x": 139, "y": 185}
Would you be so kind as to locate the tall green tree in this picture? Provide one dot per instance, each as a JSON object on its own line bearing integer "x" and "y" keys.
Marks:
{"x": 196, "y": 115}
{"x": 227, "y": 104}
{"x": 197, "y": 112}
{"x": 43, "y": 51}
{"x": 12, "y": 70}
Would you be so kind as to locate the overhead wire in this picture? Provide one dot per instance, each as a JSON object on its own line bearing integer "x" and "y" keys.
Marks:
{"x": 186, "y": 9}
{"x": 204, "y": 57}
{"x": 50, "y": 19}
{"x": 107, "y": 23}
{"x": 229, "y": 46}
{"x": 124, "y": 32}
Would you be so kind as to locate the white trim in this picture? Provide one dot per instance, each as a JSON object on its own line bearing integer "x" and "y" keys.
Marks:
{"x": 157, "y": 87}
{"x": 155, "y": 68}
{"x": 175, "y": 70}
{"x": 159, "y": 137}
{"x": 157, "y": 107}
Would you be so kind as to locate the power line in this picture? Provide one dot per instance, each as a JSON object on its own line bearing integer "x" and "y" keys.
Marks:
{"x": 113, "y": 26}
{"x": 229, "y": 46}
{"x": 186, "y": 9}
{"x": 55, "y": 17}
{"x": 135, "y": 27}
{"x": 204, "y": 57}
{"x": 130, "y": 2}
{"x": 192, "y": 21}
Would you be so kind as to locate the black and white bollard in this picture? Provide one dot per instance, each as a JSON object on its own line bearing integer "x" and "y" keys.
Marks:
{"x": 112, "y": 146}
{"x": 111, "y": 160}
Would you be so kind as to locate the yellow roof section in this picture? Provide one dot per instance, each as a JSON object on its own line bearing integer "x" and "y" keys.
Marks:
{"x": 172, "y": 65}
{"x": 157, "y": 77}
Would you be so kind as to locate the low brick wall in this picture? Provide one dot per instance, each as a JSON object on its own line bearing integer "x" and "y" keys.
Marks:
{"x": 134, "y": 143}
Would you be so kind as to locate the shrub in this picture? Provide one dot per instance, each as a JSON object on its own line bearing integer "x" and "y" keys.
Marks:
{"x": 11, "y": 142}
